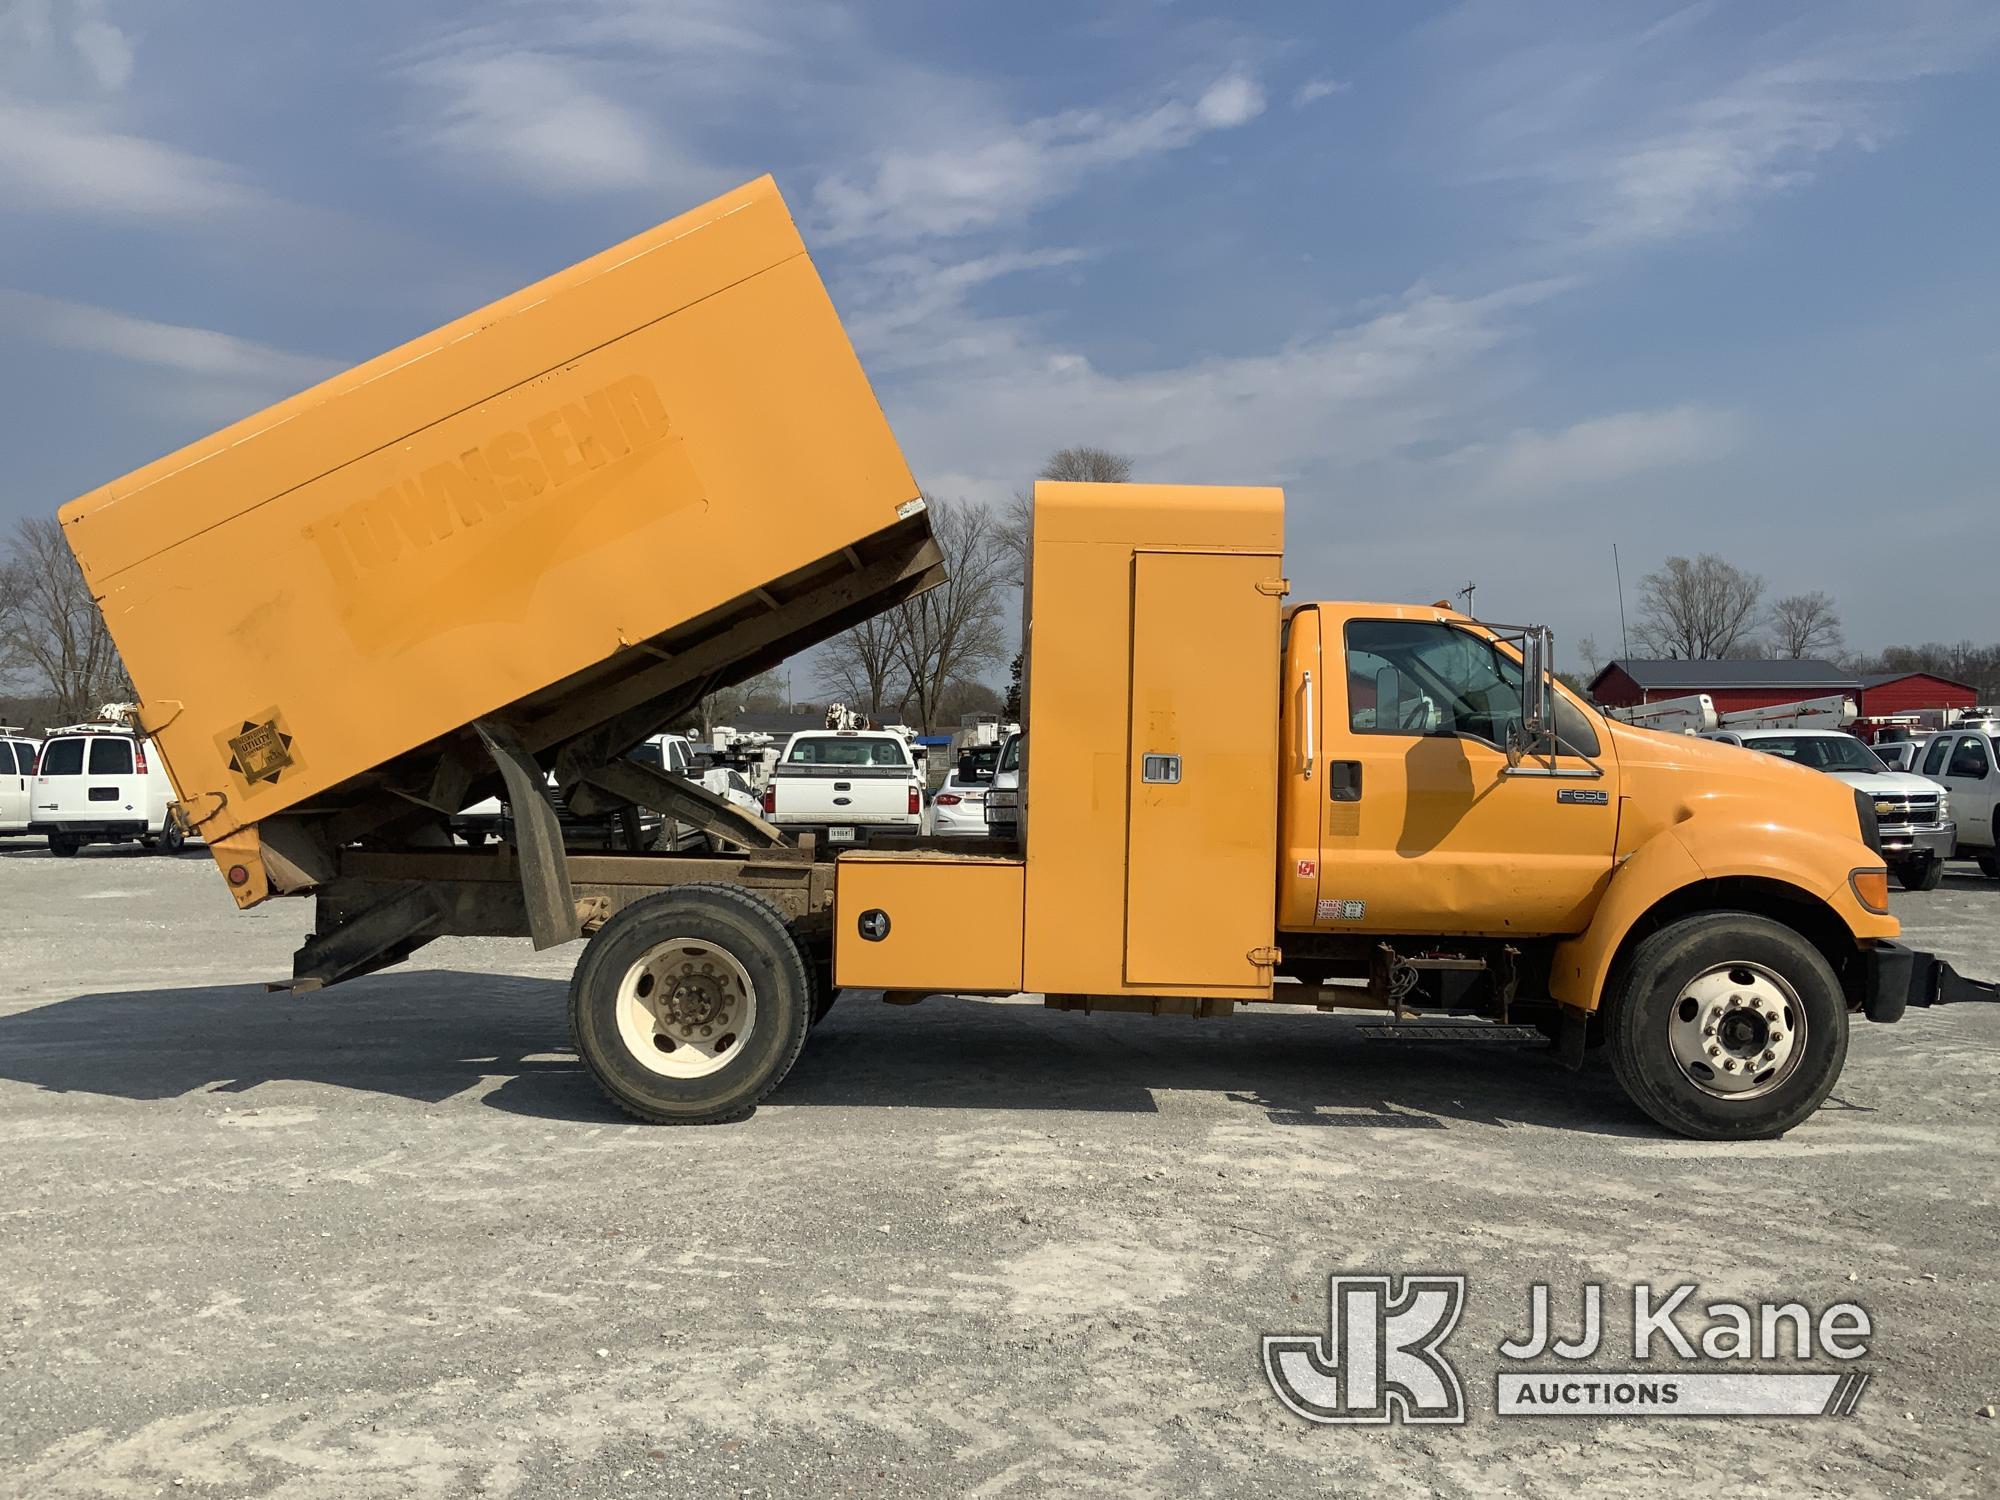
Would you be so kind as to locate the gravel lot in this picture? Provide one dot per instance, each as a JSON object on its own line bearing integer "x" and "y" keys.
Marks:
{"x": 387, "y": 1240}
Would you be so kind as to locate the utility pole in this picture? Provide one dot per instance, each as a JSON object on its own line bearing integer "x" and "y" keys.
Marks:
{"x": 1466, "y": 594}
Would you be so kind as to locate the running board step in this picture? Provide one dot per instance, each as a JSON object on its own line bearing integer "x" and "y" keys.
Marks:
{"x": 1473, "y": 1031}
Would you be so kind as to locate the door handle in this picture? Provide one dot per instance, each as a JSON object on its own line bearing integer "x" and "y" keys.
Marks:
{"x": 1343, "y": 780}
{"x": 1310, "y": 716}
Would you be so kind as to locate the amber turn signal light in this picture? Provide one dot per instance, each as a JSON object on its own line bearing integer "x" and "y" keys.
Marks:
{"x": 1871, "y": 888}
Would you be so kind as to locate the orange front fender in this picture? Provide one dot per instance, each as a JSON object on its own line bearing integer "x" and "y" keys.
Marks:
{"x": 1814, "y": 864}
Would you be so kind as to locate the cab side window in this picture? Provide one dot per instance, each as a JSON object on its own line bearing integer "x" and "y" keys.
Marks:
{"x": 1934, "y": 755}
{"x": 1969, "y": 759}
{"x": 1419, "y": 677}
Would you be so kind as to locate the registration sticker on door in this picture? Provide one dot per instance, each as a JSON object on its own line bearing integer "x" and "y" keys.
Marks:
{"x": 1342, "y": 911}
{"x": 840, "y": 835}
{"x": 1585, "y": 795}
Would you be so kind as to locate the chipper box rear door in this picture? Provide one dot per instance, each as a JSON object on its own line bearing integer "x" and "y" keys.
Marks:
{"x": 563, "y": 517}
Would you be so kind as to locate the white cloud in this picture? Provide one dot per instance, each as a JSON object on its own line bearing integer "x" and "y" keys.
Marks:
{"x": 983, "y": 179}
{"x": 107, "y": 52}
{"x": 60, "y": 159}
{"x": 911, "y": 311}
{"x": 536, "y": 118}
{"x": 201, "y": 353}
{"x": 1314, "y": 90}
{"x": 1382, "y": 388}
{"x": 1645, "y": 134}
{"x": 1601, "y": 450}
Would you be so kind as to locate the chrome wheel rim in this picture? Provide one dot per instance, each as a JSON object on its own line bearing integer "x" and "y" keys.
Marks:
{"x": 686, "y": 1008}
{"x": 1737, "y": 1031}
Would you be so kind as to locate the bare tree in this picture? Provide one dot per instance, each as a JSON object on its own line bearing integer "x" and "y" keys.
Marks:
{"x": 1014, "y": 523}
{"x": 950, "y": 633}
{"x": 1700, "y": 609}
{"x": 1013, "y": 530}
{"x": 55, "y": 642}
{"x": 1087, "y": 466}
{"x": 861, "y": 667}
{"x": 1805, "y": 625}
{"x": 761, "y": 694}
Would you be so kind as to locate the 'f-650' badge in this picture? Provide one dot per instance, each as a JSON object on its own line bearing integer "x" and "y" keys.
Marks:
{"x": 262, "y": 752}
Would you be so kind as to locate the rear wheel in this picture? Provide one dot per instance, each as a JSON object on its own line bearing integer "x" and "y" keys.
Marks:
{"x": 64, "y": 845}
{"x": 1727, "y": 1026}
{"x": 171, "y": 839}
{"x": 690, "y": 1006}
{"x": 1920, "y": 874}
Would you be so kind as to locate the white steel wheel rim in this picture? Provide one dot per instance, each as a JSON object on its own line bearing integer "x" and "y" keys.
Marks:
{"x": 686, "y": 1008}
{"x": 1737, "y": 1031}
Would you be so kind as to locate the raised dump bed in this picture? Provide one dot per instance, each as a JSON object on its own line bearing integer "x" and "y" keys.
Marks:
{"x": 527, "y": 540}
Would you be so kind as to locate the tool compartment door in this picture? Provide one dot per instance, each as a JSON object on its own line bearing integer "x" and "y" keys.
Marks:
{"x": 1201, "y": 831}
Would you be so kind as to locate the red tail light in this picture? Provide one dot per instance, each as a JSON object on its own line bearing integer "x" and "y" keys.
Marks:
{"x": 770, "y": 797}
{"x": 139, "y": 755}
{"x": 946, "y": 799}
{"x": 916, "y": 805}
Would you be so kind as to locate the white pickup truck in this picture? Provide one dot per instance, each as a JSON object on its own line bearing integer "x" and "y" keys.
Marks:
{"x": 848, "y": 786}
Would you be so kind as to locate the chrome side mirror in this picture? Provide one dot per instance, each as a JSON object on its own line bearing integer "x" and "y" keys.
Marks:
{"x": 1537, "y": 691}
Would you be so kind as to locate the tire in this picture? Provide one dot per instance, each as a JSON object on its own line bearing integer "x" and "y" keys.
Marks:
{"x": 1920, "y": 874}
{"x": 171, "y": 839}
{"x": 1677, "y": 1008}
{"x": 65, "y": 845}
{"x": 734, "y": 968}
{"x": 1989, "y": 866}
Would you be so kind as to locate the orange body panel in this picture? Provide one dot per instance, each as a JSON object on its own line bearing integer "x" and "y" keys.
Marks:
{"x": 954, "y": 923}
{"x": 451, "y": 527}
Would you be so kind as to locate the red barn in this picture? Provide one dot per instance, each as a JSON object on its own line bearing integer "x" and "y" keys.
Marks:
{"x": 1732, "y": 684}
{"x": 1892, "y": 693}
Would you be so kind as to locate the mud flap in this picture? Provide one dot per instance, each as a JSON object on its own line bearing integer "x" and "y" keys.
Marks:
{"x": 545, "y": 882}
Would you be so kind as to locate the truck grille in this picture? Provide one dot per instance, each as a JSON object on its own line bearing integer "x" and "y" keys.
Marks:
{"x": 1898, "y": 809}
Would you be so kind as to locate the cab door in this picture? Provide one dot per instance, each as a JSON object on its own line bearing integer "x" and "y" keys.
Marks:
{"x": 17, "y": 765}
{"x": 1440, "y": 833}
{"x": 1971, "y": 776}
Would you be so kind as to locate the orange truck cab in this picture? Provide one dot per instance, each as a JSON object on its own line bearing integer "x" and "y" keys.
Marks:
{"x": 1227, "y": 800}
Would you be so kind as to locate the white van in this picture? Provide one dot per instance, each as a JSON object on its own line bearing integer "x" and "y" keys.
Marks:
{"x": 101, "y": 784}
{"x": 17, "y": 773}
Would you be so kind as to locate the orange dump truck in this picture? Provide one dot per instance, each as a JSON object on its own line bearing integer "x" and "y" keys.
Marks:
{"x": 514, "y": 549}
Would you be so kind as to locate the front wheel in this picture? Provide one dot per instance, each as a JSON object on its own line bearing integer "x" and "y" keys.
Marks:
{"x": 171, "y": 840}
{"x": 690, "y": 1006}
{"x": 1920, "y": 874}
{"x": 1989, "y": 866}
{"x": 64, "y": 845}
{"x": 1727, "y": 1026}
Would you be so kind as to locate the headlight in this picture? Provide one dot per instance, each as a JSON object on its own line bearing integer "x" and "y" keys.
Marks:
{"x": 1944, "y": 806}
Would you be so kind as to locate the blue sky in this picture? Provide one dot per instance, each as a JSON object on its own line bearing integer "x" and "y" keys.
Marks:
{"x": 1487, "y": 288}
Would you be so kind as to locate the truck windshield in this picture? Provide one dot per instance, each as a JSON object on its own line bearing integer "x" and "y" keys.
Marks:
{"x": 845, "y": 752}
{"x": 1822, "y": 752}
